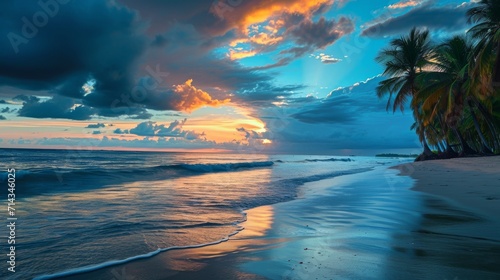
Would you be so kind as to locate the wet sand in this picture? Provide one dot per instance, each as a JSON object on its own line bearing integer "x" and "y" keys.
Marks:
{"x": 468, "y": 183}
{"x": 363, "y": 226}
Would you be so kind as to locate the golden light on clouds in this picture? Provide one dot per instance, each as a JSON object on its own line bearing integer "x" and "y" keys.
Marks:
{"x": 260, "y": 22}
{"x": 223, "y": 126}
{"x": 235, "y": 54}
{"x": 189, "y": 98}
{"x": 266, "y": 10}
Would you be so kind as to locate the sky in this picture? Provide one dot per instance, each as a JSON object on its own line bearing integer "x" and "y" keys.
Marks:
{"x": 253, "y": 76}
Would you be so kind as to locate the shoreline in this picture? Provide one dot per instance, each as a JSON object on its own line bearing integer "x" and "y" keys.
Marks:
{"x": 334, "y": 229}
{"x": 245, "y": 229}
{"x": 184, "y": 258}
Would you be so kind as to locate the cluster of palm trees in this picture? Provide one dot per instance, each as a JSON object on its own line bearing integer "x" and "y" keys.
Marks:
{"x": 450, "y": 87}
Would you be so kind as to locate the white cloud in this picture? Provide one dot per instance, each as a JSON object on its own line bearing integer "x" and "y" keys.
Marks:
{"x": 325, "y": 58}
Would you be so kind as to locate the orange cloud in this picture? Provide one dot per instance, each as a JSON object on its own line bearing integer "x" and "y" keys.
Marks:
{"x": 265, "y": 39}
{"x": 188, "y": 98}
{"x": 263, "y": 23}
{"x": 261, "y": 11}
{"x": 239, "y": 54}
{"x": 252, "y": 13}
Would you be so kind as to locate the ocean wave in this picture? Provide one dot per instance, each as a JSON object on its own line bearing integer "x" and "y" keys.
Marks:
{"x": 221, "y": 167}
{"x": 19, "y": 174}
{"x": 58, "y": 174}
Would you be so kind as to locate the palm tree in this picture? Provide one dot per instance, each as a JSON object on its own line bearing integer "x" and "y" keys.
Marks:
{"x": 403, "y": 61}
{"x": 443, "y": 87}
{"x": 480, "y": 92}
{"x": 486, "y": 16}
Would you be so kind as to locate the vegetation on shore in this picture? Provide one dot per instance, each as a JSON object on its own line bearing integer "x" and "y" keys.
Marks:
{"x": 449, "y": 86}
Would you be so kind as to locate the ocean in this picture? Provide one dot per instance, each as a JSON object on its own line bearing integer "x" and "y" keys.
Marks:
{"x": 83, "y": 210}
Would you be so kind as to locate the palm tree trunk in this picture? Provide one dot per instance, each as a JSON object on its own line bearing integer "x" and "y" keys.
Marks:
{"x": 485, "y": 147}
{"x": 438, "y": 144}
{"x": 449, "y": 149}
{"x": 427, "y": 150}
{"x": 440, "y": 147}
{"x": 449, "y": 152}
{"x": 466, "y": 149}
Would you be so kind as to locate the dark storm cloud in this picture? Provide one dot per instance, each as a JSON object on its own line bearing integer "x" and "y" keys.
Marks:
{"x": 328, "y": 112}
{"x": 2, "y": 118}
{"x": 162, "y": 14}
{"x": 81, "y": 40}
{"x": 447, "y": 18}
{"x": 342, "y": 106}
{"x": 58, "y": 107}
{"x": 26, "y": 98}
{"x": 318, "y": 35}
{"x": 105, "y": 45}
{"x": 133, "y": 110}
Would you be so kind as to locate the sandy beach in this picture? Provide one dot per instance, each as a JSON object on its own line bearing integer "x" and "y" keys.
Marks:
{"x": 440, "y": 223}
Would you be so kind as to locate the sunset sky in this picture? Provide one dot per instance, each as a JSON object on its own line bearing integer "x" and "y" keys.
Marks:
{"x": 295, "y": 76}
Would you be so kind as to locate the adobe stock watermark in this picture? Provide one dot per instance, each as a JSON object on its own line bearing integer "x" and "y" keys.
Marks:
{"x": 11, "y": 219}
{"x": 39, "y": 19}
{"x": 139, "y": 93}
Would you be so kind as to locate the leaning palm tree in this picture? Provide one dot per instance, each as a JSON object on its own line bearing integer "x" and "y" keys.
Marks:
{"x": 486, "y": 16}
{"x": 443, "y": 87}
{"x": 480, "y": 92}
{"x": 403, "y": 61}
{"x": 486, "y": 70}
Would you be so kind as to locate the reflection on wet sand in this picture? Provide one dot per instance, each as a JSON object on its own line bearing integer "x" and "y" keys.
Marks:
{"x": 446, "y": 245}
{"x": 255, "y": 227}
